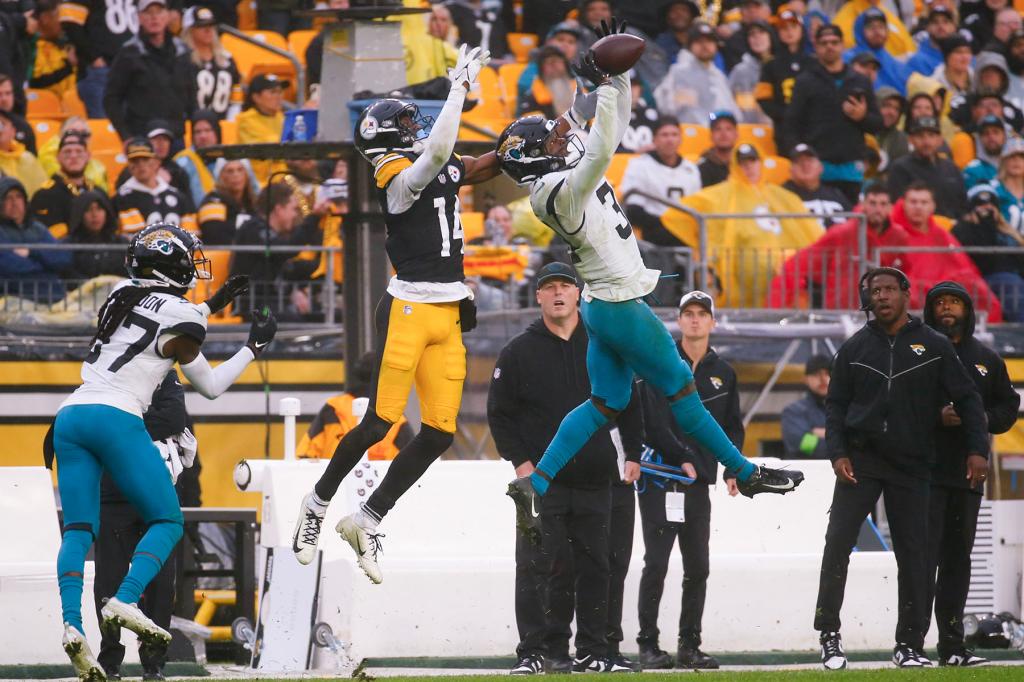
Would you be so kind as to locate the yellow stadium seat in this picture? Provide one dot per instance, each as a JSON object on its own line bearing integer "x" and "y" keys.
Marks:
{"x": 113, "y": 160}
{"x": 104, "y": 137}
{"x": 72, "y": 104}
{"x": 775, "y": 169}
{"x": 617, "y": 168}
{"x": 472, "y": 225}
{"x": 521, "y": 44}
{"x": 760, "y": 136}
{"x": 487, "y": 96}
{"x": 229, "y": 132}
{"x": 696, "y": 139}
{"x": 219, "y": 268}
{"x": 44, "y": 104}
{"x": 508, "y": 76}
{"x": 298, "y": 41}
{"x": 44, "y": 128}
{"x": 252, "y": 60}
{"x": 247, "y": 17}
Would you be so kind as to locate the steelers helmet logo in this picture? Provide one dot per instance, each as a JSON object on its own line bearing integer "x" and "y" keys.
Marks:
{"x": 368, "y": 128}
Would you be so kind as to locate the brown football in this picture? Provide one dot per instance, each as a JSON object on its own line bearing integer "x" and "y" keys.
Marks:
{"x": 618, "y": 52}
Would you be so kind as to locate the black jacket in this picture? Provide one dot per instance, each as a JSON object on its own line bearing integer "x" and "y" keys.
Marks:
{"x": 941, "y": 175}
{"x": 716, "y": 386}
{"x": 823, "y": 201}
{"x": 51, "y": 204}
{"x": 538, "y": 379}
{"x": 988, "y": 371}
{"x": 884, "y": 397}
{"x": 970, "y": 233}
{"x": 775, "y": 89}
{"x": 815, "y": 114}
{"x": 89, "y": 264}
{"x": 712, "y": 171}
{"x": 146, "y": 83}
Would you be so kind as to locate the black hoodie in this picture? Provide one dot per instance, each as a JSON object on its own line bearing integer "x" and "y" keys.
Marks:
{"x": 988, "y": 371}
{"x": 538, "y": 379}
{"x": 885, "y": 395}
{"x": 89, "y": 264}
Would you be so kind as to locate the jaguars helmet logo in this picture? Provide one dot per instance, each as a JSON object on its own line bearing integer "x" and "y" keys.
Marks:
{"x": 917, "y": 348}
{"x": 717, "y": 383}
{"x": 512, "y": 148}
{"x": 162, "y": 241}
{"x": 982, "y": 370}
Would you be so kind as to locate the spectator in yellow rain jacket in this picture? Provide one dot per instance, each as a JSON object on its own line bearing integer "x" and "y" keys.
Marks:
{"x": 745, "y": 253}
{"x": 95, "y": 171}
{"x": 16, "y": 161}
{"x": 336, "y": 418}
{"x": 53, "y": 58}
{"x": 263, "y": 119}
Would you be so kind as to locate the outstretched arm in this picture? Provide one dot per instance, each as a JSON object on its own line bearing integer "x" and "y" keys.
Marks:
{"x": 481, "y": 168}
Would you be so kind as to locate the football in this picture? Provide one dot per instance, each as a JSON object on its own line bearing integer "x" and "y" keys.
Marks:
{"x": 618, "y": 52}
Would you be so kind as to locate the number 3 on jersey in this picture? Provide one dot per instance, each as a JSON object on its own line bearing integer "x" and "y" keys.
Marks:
{"x": 449, "y": 232}
{"x": 606, "y": 195}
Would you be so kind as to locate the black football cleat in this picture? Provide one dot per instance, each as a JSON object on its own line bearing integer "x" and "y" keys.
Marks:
{"x": 528, "y": 505}
{"x": 765, "y": 480}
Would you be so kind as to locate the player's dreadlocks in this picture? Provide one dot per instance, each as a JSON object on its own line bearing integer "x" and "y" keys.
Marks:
{"x": 115, "y": 309}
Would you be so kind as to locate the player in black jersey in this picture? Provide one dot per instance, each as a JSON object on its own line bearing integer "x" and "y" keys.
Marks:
{"x": 421, "y": 318}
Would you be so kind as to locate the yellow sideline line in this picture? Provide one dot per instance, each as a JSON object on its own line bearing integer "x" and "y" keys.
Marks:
{"x": 67, "y": 372}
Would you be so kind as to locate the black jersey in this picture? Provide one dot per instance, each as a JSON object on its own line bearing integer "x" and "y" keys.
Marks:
{"x": 215, "y": 84}
{"x": 424, "y": 242}
{"x": 98, "y": 28}
{"x": 138, "y": 206}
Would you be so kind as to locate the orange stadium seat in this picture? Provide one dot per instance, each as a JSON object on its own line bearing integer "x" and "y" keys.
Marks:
{"x": 521, "y": 44}
{"x": 72, "y": 104}
{"x": 508, "y": 76}
{"x": 104, "y": 137}
{"x": 44, "y": 104}
{"x": 963, "y": 150}
{"x": 776, "y": 169}
{"x": 248, "y": 19}
{"x": 489, "y": 113}
{"x": 220, "y": 268}
{"x": 617, "y": 168}
{"x": 113, "y": 160}
{"x": 472, "y": 225}
{"x": 252, "y": 60}
{"x": 696, "y": 139}
{"x": 44, "y": 128}
{"x": 229, "y": 132}
{"x": 298, "y": 41}
{"x": 760, "y": 136}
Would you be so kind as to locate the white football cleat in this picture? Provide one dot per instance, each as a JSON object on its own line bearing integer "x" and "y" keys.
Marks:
{"x": 130, "y": 616}
{"x": 86, "y": 666}
{"x": 307, "y": 529}
{"x": 366, "y": 546}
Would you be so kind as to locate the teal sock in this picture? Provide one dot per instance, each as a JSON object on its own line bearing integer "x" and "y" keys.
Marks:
{"x": 149, "y": 557}
{"x": 574, "y": 432}
{"x": 70, "y": 569}
{"x": 698, "y": 423}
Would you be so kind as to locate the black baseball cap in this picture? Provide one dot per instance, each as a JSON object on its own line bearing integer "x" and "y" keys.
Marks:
{"x": 747, "y": 152}
{"x": 702, "y": 30}
{"x": 816, "y": 363}
{"x": 980, "y": 195}
{"x": 803, "y": 149}
{"x": 158, "y": 127}
{"x": 990, "y": 121}
{"x": 938, "y": 8}
{"x": 139, "y": 148}
{"x": 721, "y": 115}
{"x": 556, "y": 270}
{"x": 924, "y": 123}
{"x": 953, "y": 42}
{"x": 867, "y": 57}
{"x": 267, "y": 81}
{"x": 828, "y": 29}
{"x": 874, "y": 14}
{"x": 697, "y": 298}
{"x": 73, "y": 137}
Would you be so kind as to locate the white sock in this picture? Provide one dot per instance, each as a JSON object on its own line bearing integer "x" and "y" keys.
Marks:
{"x": 317, "y": 502}
{"x": 365, "y": 520}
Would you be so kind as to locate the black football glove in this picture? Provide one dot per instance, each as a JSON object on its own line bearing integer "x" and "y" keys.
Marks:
{"x": 237, "y": 285}
{"x": 262, "y": 330}
{"x": 467, "y": 315}
{"x": 588, "y": 70}
{"x": 604, "y": 30}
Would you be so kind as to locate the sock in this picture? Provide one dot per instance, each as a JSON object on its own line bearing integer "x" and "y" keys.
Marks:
{"x": 365, "y": 518}
{"x": 70, "y": 569}
{"x": 317, "y": 504}
{"x": 150, "y": 554}
{"x": 698, "y": 423}
{"x": 574, "y": 432}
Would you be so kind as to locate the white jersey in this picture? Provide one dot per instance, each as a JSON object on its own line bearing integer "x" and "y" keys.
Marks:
{"x": 125, "y": 372}
{"x": 580, "y": 206}
{"x": 649, "y": 175}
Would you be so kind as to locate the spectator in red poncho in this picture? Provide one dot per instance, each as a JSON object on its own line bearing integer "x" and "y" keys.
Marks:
{"x": 825, "y": 273}
{"x": 915, "y": 213}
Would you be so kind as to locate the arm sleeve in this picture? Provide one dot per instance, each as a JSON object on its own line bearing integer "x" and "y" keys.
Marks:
{"x": 840, "y": 390}
{"x": 439, "y": 146}
{"x": 503, "y": 410}
{"x": 1002, "y": 413}
{"x": 166, "y": 415}
{"x": 631, "y": 427}
{"x": 967, "y": 401}
{"x": 211, "y": 382}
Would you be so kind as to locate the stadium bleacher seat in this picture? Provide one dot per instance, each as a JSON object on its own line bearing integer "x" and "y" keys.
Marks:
{"x": 229, "y": 132}
{"x": 696, "y": 139}
{"x": 248, "y": 19}
{"x": 104, "y": 137}
{"x": 72, "y": 104}
{"x": 508, "y": 77}
{"x": 617, "y": 168}
{"x": 760, "y": 136}
{"x": 253, "y": 60}
{"x": 489, "y": 113}
{"x": 472, "y": 225}
{"x": 113, "y": 160}
{"x": 220, "y": 268}
{"x": 521, "y": 44}
{"x": 44, "y": 128}
{"x": 776, "y": 169}
{"x": 298, "y": 41}
{"x": 44, "y": 104}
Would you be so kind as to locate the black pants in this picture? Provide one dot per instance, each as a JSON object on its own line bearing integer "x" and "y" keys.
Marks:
{"x": 952, "y": 521}
{"x": 906, "y": 507}
{"x": 531, "y": 596}
{"x": 620, "y": 551}
{"x": 575, "y": 540}
{"x": 120, "y": 530}
{"x": 659, "y": 538}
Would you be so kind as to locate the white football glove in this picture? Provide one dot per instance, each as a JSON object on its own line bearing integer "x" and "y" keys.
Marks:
{"x": 584, "y": 106}
{"x": 169, "y": 454}
{"x": 468, "y": 65}
{"x": 187, "y": 448}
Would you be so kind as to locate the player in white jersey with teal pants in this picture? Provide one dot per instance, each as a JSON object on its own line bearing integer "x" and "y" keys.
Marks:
{"x": 569, "y": 193}
{"x": 145, "y": 326}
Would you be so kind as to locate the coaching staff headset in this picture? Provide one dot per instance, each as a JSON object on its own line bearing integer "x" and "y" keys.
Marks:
{"x": 888, "y": 381}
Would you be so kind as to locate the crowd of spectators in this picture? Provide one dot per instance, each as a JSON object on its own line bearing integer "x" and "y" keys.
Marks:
{"x": 885, "y": 93}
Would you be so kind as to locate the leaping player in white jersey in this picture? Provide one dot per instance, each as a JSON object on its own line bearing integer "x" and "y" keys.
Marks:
{"x": 145, "y": 326}
{"x": 569, "y": 193}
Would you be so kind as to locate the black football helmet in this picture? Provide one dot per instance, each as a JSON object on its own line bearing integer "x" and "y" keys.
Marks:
{"x": 521, "y": 152}
{"x": 166, "y": 253}
{"x": 382, "y": 128}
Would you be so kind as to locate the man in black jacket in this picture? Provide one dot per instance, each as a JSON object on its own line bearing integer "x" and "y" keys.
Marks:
{"x": 959, "y": 475}
{"x": 889, "y": 381}
{"x": 540, "y": 376}
{"x": 831, "y": 109}
{"x": 150, "y": 78}
{"x": 716, "y": 385}
{"x": 924, "y": 164}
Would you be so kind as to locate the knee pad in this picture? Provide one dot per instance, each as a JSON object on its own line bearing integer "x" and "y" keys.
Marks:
{"x": 606, "y": 410}
{"x": 435, "y": 440}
